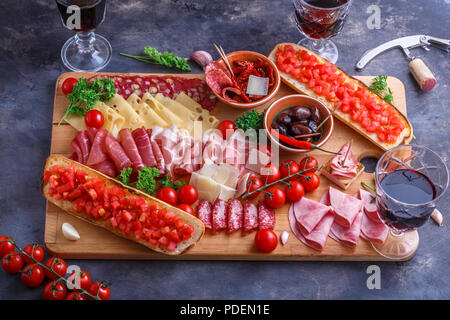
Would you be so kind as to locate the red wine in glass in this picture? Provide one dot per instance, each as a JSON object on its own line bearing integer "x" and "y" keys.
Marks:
{"x": 407, "y": 186}
{"x": 92, "y": 13}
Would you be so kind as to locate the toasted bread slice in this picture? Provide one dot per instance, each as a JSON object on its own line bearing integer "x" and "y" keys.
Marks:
{"x": 199, "y": 227}
{"x": 404, "y": 137}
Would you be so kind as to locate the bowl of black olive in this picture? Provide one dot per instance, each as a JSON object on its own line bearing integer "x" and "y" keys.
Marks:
{"x": 298, "y": 118}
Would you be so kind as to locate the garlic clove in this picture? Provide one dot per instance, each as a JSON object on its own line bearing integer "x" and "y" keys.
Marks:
{"x": 284, "y": 237}
{"x": 203, "y": 58}
{"x": 437, "y": 217}
{"x": 69, "y": 232}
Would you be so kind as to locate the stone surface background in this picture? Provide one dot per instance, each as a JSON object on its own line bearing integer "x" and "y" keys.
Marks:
{"x": 31, "y": 36}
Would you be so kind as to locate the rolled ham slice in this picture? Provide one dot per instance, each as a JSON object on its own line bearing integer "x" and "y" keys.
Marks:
{"x": 115, "y": 151}
{"x": 82, "y": 139}
{"x": 309, "y": 213}
{"x": 128, "y": 144}
{"x": 373, "y": 231}
{"x": 317, "y": 238}
{"x": 349, "y": 169}
{"x": 143, "y": 143}
{"x": 76, "y": 147}
{"x": 97, "y": 154}
{"x": 107, "y": 167}
{"x": 345, "y": 207}
{"x": 370, "y": 207}
{"x": 347, "y": 236}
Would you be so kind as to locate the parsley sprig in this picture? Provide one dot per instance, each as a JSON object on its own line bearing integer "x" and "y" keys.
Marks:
{"x": 380, "y": 87}
{"x": 145, "y": 180}
{"x": 166, "y": 182}
{"x": 152, "y": 55}
{"x": 86, "y": 94}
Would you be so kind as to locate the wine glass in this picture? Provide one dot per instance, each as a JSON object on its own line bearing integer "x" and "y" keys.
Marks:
{"x": 410, "y": 179}
{"x": 85, "y": 51}
{"x": 318, "y": 21}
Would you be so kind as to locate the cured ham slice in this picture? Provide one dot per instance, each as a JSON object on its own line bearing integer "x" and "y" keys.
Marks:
{"x": 235, "y": 214}
{"x": 219, "y": 215}
{"x": 169, "y": 139}
{"x": 350, "y": 167}
{"x": 115, "y": 151}
{"x": 373, "y": 231}
{"x": 234, "y": 152}
{"x": 370, "y": 206}
{"x": 128, "y": 144}
{"x": 143, "y": 143}
{"x": 107, "y": 167}
{"x": 212, "y": 150}
{"x": 266, "y": 216}
{"x": 182, "y": 155}
{"x": 73, "y": 156}
{"x": 309, "y": 213}
{"x": 317, "y": 238}
{"x": 160, "y": 164}
{"x": 204, "y": 211}
{"x": 347, "y": 236}
{"x": 92, "y": 132}
{"x": 82, "y": 139}
{"x": 250, "y": 217}
{"x": 241, "y": 185}
{"x": 76, "y": 147}
{"x": 97, "y": 154}
{"x": 345, "y": 207}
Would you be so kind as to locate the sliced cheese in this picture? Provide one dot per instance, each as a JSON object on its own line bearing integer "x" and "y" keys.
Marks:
{"x": 208, "y": 169}
{"x": 148, "y": 115}
{"x": 227, "y": 175}
{"x": 226, "y": 192}
{"x": 208, "y": 121}
{"x": 166, "y": 114}
{"x": 207, "y": 188}
{"x": 76, "y": 121}
{"x": 132, "y": 119}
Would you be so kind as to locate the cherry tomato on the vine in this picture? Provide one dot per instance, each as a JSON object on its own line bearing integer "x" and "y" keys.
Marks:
{"x": 94, "y": 118}
{"x": 32, "y": 275}
{"x": 55, "y": 290}
{"x": 56, "y": 264}
{"x": 68, "y": 85}
{"x": 6, "y": 245}
{"x": 76, "y": 295}
{"x": 310, "y": 163}
{"x": 294, "y": 191}
{"x": 274, "y": 197}
{"x": 187, "y": 194}
{"x": 310, "y": 181}
{"x": 168, "y": 195}
{"x": 81, "y": 279}
{"x": 100, "y": 289}
{"x": 12, "y": 262}
{"x": 266, "y": 240}
{"x": 271, "y": 173}
{"x": 34, "y": 250}
{"x": 226, "y": 125}
{"x": 289, "y": 167}
{"x": 252, "y": 184}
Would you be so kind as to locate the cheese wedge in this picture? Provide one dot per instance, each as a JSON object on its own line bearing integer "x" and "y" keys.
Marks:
{"x": 132, "y": 119}
{"x": 207, "y": 188}
{"x": 148, "y": 115}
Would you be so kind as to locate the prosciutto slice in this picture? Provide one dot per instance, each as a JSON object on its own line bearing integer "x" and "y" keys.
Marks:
{"x": 373, "y": 231}
{"x": 107, "y": 167}
{"x": 128, "y": 144}
{"x": 160, "y": 164}
{"x": 345, "y": 207}
{"x": 97, "y": 153}
{"x": 212, "y": 150}
{"x": 370, "y": 207}
{"x": 350, "y": 167}
{"x": 317, "y": 238}
{"x": 309, "y": 213}
{"x": 82, "y": 139}
{"x": 115, "y": 151}
{"x": 142, "y": 140}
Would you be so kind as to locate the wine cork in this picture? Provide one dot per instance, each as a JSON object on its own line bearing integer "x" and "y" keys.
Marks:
{"x": 422, "y": 74}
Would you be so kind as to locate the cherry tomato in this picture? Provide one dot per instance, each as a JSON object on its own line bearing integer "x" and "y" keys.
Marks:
{"x": 32, "y": 275}
{"x": 271, "y": 173}
{"x": 94, "y": 118}
{"x": 309, "y": 162}
{"x": 274, "y": 197}
{"x": 289, "y": 167}
{"x": 266, "y": 240}
{"x": 6, "y": 245}
{"x": 168, "y": 195}
{"x": 100, "y": 289}
{"x": 76, "y": 295}
{"x": 187, "y": 194}
{"x": 254, "y": 183}
{"x": 187, "y": 208}
{"x": 68, "y": 84}
{"x": 56, "y": 264}
{"x": 55, "y": 290}
{"x": 80, "y": 279}
{"x": 34, "y": 250}
{"x": 294, "y": 191}
{"x": 311, "y": 182}
{"x": 12, "y": 262}
{"x": 226, "y": 125}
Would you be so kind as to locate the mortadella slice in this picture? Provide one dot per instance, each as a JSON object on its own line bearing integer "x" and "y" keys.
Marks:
{"x": 142, "y": 140}
{"x": 308, "y": 213}
{"x": 128, "y": 144}
{"x": 97, "y": 154}
{"x": 345, "y": 207}
{"x": 115, "y": 151}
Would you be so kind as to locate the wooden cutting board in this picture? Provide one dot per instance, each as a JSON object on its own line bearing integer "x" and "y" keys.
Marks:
{"x": 96, "y": 243}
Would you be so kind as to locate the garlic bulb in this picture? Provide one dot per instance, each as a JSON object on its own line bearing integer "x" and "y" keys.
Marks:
{"x": 69, "y": 232}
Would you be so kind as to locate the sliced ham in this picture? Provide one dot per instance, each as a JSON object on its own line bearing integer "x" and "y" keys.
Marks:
{"x": 370, "y": 206}
{"x": 266, "y": 216}
{"x": 317, "y": 238}
{"x": 309, "y": 213}
{"x": 204, "y": 211}
{"x": 212, "y": 147}
{"x": 97, "y": 154}
{"x": 142, "y": 140}
{"x": 373, "y": 231}
{"x": 235, "y": 213}
{"x": 347, "y": 236}
{"x": 350, "y": 167}
{"x": 128, "y": 144}
{"x": 116, "y": 153}
{"x": 250, "y": 217}
{"x": 345, "y": 207}
{"x": 107, "y": 167}
{"x": 83, "y": 142}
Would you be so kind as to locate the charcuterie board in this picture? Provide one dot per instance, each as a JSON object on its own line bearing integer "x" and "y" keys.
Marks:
{"x": 96, "y": 243}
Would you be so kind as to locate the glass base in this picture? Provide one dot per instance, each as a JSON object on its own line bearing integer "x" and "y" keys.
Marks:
{"x": 398, "y": 246}
{"x": 324, "y": 48}
{"x": 86, "y": 52}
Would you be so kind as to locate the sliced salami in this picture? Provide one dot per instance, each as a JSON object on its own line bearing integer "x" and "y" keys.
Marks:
{"x": 219, "y": 215}
{"x": 235, "y": 213}
{"x": 204, "y": 211}
{"x": 266, "y": 216}
{"x": 97, "y": 154}
{"x": 250, "y": 217}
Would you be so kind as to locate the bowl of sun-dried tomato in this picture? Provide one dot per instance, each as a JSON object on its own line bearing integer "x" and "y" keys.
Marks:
{"x": 255, "y": 79}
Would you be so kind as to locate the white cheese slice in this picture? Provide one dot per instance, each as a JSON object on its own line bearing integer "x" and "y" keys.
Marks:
{"x": 207, "y": 188}
{"x": 226, "y": 175}
{"x": 226, "y": 192}
{"x": 208, "y": 170}
{"x": 257, "y": 86}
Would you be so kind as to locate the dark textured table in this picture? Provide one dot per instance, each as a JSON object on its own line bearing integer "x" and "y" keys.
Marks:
{"x": 31, "y": 36}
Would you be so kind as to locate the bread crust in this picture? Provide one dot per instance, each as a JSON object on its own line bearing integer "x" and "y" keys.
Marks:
{"x": 199, "y": 228}
{"x": 404, "y": 137}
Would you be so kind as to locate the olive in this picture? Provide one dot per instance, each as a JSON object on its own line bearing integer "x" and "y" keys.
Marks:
{"x": 300, "y": 113}
{"x": 284, "y": 118}
{"x": 299, "y": 129}
{"x": 315, "y": 114}
{"x": 313, "y": 126}
{"x": 304, "y": 122}
{"x": 281, "y": 128}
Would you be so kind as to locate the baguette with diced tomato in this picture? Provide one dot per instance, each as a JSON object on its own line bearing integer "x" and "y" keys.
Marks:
{"x": 127, "y": 212}
{"x": 357, "y": 106}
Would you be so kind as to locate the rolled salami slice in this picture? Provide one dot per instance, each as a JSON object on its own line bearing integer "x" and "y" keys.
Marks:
{"x": 266, "y": 216}
{"x": 97, "y": 154}
{"x": 235, "y": 214}
{"x": 219, "y": 216}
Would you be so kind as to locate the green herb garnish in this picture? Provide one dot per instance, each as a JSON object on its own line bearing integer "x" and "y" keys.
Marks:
{"x": 166, "y": 182}
{"x": 145, "y": 180}
{"x": 250, "y": 120}
{"x": 380, "y": 87}
{"x": 167, "y": 59}
{"x": 86, "y": 94}
{"x": 124, "y": 176}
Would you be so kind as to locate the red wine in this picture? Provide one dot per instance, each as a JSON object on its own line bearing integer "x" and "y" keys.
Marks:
{"x": 410, "y": 187}
{"x": 92, "y": 13}
{"x": 319, "y": 23}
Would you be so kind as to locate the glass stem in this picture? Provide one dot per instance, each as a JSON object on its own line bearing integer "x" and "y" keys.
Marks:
{"x": 85, "y": 40}
{"x": 396, "y": 233}
{"x": 317, "y": 45}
